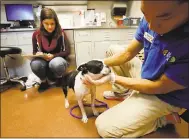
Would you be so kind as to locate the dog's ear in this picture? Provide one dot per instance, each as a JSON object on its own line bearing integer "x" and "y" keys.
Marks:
{"x": 83, "y": 68}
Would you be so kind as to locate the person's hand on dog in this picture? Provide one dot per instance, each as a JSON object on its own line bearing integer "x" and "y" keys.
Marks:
{"x": 87, "y": 80}
{"x": 108, "y": 78}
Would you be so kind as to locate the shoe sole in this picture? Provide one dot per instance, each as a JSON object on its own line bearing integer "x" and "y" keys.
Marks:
{"x": 115, "y": 98}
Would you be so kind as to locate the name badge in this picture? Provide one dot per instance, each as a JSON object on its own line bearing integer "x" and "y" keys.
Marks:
{"x": 149, "y": 37}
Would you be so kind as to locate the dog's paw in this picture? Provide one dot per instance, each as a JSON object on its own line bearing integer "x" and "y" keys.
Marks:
{"x": 84, "y": 100}
{"x": 66, "y": 104}
{"x": 95, "y": 112}
{"x": 84, "y": 119}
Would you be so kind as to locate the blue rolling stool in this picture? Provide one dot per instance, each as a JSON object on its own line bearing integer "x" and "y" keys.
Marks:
{"x": 5, "y": 51}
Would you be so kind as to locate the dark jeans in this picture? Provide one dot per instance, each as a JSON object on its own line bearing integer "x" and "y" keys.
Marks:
{"x": 49, "y": 69}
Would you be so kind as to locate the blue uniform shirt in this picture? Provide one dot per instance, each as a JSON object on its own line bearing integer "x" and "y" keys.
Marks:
{"x": 167, "y": 54}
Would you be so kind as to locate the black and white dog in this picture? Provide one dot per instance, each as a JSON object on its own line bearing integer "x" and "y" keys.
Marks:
{"x": 96, "y": 69}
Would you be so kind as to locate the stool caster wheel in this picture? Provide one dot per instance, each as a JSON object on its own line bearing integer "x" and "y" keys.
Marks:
{"x": 23, "y": 88}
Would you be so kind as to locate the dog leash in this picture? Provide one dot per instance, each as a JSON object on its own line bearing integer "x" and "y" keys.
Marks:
{"x": 102, "y": 104}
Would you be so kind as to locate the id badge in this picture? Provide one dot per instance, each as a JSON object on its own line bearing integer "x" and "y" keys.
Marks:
{"x": 149, "y": 37}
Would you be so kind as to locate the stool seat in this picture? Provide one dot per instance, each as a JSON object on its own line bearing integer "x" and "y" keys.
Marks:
{"x": 9, "y": 50}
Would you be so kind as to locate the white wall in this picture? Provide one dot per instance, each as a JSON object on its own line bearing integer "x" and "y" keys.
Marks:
{"x": 99, "y": 6}
{"x": 68, "y": 15}
{"x": 134, "y": 8}
{"x": 103, "y": 6}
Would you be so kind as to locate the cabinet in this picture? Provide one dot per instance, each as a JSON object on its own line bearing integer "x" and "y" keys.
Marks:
{"x": 89, "y": 44}
{"x": 86, "y": 51}
{"x": 82, "y": 35}
{"x": 83, "y": 52}
{"x": 105, "y": 34}
{"x": 8, "y": 39}
{"x": 99, "y": 49}
{"x": 20, "y": 66}
{"x": 93, "y": 43}
{"x": 25, "y": 42}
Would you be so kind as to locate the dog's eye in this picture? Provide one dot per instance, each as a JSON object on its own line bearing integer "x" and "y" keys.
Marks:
{"x": 100, "y": 65}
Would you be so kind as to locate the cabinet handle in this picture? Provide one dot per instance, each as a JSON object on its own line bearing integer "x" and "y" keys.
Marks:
{"x": 130, "y": 39}
{"x": 83, "y": 34}
{"x": 26, "y": 37}
{"x": 106, "y": 37}
{"x": 130, "y": 35}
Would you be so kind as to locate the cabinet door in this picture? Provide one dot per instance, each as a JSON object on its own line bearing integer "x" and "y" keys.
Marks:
{"x": 82, "y": 35}
{"x": 121, "y": 43}
{"x": 105, "y": 34}
{"x": 99, "y": 49}
{"x": 26, "y": 49}
{"x": 24, "y": 38}
{"x": 8, "y": 39}
{"x": 83, "y": 52}
{"x": 127, "y": 34}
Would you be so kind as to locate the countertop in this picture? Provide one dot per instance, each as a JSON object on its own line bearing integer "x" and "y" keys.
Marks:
{"x": 71, "y": 28}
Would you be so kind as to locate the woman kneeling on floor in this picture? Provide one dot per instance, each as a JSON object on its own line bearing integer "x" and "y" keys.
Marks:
{"x": 50, "y": 43}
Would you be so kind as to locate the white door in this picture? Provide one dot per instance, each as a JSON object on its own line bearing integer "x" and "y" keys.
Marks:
{"x": 83, "y": 52}
{"x": 99, "y": 49}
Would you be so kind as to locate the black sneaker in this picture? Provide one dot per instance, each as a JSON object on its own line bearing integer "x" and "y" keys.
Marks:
{"x": 43, "y": 86}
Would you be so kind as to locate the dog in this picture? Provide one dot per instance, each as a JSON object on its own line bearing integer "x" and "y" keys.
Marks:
{"x": 95, "y": 69}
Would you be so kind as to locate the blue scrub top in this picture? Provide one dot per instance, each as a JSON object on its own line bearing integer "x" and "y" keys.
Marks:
{"x": 167, "y": 54}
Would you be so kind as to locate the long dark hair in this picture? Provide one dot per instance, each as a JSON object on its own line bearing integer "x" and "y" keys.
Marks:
{"x": 48, "y": 13}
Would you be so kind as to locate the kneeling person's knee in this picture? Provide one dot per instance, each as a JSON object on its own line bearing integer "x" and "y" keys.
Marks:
{"x": 58, "y": 65}
{"x": 105, "y": 129}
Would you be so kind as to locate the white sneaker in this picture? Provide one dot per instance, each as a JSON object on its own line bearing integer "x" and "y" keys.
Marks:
{"x": 110, "y": 95}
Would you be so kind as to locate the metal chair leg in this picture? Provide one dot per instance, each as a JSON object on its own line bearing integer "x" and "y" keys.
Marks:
{"x": 5, "y": 68}
{"x": 3, "y": 82}
{"x": 21, "y": 82}
{"x": 8, "y": 78}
